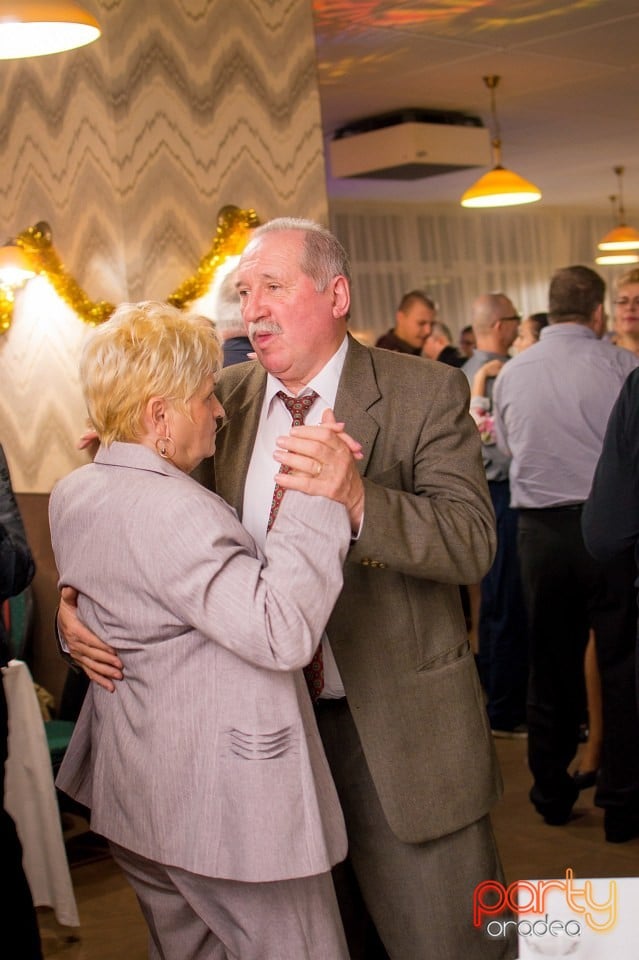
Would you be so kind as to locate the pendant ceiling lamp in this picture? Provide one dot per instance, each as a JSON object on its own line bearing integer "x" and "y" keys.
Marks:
{"x": 32, "y": 28}
{"x": 499, "y": 187}
{"x": 622, "y": 237}
{"x": 612, "y": 256}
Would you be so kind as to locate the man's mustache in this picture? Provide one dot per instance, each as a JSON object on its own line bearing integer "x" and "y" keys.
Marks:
{"x": 262, "y": 326}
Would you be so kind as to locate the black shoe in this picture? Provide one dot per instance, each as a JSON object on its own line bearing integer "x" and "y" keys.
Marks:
{"x": 555, "y": 812}
{"x": 557, "y": 817}
{"x": 620, "y": 826}
{"x": 586, "y": 779}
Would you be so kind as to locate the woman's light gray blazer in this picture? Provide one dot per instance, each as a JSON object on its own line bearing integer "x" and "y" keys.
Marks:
{"x": 207, "y": 756}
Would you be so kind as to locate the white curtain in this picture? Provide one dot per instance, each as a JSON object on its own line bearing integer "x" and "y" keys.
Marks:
{"x": 456, "y": 254}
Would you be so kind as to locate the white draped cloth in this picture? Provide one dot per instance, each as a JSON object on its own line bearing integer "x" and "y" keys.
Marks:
{"x": 455, "y": 254}
{"x": 31, "y": 800}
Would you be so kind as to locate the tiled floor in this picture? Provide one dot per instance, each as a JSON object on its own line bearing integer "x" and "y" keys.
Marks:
{"x": 112, "y": 927}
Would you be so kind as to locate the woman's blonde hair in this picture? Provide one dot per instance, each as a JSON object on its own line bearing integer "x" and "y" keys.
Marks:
{"x": 630, "y": 276}
{"x": 145, "y": 350}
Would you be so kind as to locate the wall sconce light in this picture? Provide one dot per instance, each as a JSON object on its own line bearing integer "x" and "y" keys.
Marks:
{"x": 15, "y": 266}
{"x": 33, "y": 28}
{"x": 15, "y": 270}
{"x": 38, "y": 254}
{"x": 499, "y": 187}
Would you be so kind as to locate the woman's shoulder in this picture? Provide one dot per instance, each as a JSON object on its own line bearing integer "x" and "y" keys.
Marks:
{"x": 71, "y": 481}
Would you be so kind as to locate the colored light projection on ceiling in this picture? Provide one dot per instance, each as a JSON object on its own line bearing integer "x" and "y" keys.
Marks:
{"x": 360, "y": 22}
{"x": 335, "y": 16}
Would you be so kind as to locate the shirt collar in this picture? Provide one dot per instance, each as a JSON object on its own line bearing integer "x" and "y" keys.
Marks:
{"x": 567, "y": 329}
{"x": 325, "y": 383}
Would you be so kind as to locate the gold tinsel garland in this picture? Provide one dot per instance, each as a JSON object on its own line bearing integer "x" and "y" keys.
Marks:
{"x": 37, "y": 244}
{"x": 231, "y": 236}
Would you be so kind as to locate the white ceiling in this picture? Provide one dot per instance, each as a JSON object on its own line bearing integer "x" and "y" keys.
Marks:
{"x": 567, "y": 101}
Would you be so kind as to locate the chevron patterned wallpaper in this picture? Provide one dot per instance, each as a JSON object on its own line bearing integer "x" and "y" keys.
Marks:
{"x": 128, "y": 148}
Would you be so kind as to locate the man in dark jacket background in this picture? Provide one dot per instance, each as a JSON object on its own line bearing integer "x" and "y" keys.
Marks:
{"x": 16, "y": 572}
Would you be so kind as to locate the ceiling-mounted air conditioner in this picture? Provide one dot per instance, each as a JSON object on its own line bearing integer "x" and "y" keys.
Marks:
{"x": 409, "y": 145}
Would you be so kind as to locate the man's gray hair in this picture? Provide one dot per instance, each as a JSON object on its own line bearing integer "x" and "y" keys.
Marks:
{"x": 323, "y": 255}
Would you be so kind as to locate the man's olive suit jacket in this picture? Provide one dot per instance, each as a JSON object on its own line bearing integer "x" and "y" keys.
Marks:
{"x": 397, "y": 630}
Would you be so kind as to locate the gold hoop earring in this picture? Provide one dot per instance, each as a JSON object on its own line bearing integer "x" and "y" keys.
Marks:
{"x": 165, "y": 447}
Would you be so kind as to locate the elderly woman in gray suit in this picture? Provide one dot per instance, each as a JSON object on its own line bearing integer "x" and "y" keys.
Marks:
{"x": 204, "y": 770}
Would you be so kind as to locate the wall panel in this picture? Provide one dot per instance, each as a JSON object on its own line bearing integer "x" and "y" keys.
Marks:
{"x": 128, "y": 148}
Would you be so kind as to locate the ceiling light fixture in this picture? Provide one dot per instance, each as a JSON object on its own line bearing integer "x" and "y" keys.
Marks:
{"x": 15, "y": 269}
{"x": 621, "y": 237}
{"x": 33, "y": 28}
{"x": 614, "y": 258}
{"x": 499, "y": 187}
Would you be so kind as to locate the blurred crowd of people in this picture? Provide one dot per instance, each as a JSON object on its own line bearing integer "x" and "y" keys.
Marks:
{"x": 553, "y": 622}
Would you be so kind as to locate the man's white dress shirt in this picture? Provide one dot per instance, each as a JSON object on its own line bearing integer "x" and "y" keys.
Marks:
{"x": 275, "y": 421}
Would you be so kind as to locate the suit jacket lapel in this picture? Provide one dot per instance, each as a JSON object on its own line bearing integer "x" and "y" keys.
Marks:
{"x": 357, "y": 396}
{"x": 237, "y": 437}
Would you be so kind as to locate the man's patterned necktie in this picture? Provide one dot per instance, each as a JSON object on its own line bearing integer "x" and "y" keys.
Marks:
{"x": 298, "y": 407}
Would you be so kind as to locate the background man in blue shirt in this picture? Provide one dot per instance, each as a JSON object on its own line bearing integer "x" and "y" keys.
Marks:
{"x": 551, "y": 407}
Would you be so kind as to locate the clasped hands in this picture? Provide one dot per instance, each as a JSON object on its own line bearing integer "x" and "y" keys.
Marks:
{"x": 321, "y": 461}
